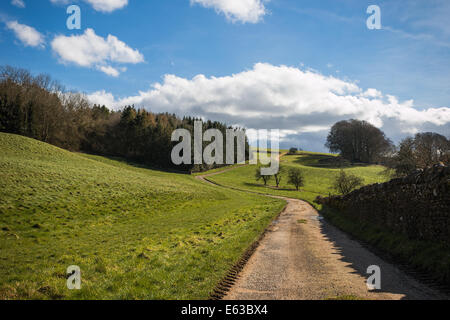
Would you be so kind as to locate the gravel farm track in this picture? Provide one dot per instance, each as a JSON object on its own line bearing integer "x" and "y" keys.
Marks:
{"x": 303, "y": 257}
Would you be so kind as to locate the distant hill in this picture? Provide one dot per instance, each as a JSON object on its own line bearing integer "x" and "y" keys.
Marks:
{"x": 319, "y": 170}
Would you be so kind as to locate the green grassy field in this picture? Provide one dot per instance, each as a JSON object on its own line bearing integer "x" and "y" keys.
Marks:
{"x": 318, "y": 176}
{"x": 135, "y": 233}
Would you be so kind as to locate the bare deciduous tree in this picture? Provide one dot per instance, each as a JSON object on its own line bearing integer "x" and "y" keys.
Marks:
{"x": 296, "y": 178}
{"x": 424, "y": 150}
{"x": 346, "y": 182}
{"x": 279, "y": 175}
{"x": 259, "y": 176}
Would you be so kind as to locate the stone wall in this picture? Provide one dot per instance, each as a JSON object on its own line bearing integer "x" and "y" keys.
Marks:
{"x": 417, "y": 205}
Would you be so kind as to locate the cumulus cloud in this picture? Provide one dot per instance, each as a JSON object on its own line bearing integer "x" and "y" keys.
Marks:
{"x": 18, "y": 3}
{"x": 250, "y": 11}
{"x": 29, "y": 36}
{"x": 107, "y": 5}
{"x": 91, "y": 50}
{"x": 99, "y": 5}
{"x": 110, "y": 71}
{"x": 102, "y": 98}
{"x": 303, "y": 103}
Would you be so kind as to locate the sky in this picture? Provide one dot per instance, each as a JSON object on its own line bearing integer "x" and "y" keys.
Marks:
{"x": 297, "y": 66}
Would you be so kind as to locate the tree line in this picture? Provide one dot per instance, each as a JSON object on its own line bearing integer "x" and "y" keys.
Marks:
{"x": 40, "y": 108}
{"x": 361, "y": 142}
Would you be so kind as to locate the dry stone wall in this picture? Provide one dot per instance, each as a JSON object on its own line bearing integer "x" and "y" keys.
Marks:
{"x": 417, "y": 205}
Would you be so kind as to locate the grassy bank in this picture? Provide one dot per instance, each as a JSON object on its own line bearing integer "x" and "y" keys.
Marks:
{"x": 427, "y": 257}
{"x": 135, "y": 233}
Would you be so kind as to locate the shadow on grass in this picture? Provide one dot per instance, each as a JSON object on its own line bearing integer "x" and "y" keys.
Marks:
{"x": 136, "y": 164}
{"x": 326, "y": 162}
{"x": 248, "y": 184}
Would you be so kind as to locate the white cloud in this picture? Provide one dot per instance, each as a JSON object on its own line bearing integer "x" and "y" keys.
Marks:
{"x": 244, "y": 11}
{"x": 102, "y": 98}
{"x": 99, "y": 5}
{"x": 29, "y": 36}
{"x": 91, "y": 50}
{"x": 110, "y": 71}
{"x": 372, "y": 93}
{"x": 18, "y": 3}
{"x": 107, "y": 5}
{"x": 271, "y": 97}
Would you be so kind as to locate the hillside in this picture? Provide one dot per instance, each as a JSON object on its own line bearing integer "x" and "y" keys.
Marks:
{"x": 318, "y": 172}
{"x": 136, "y": 233}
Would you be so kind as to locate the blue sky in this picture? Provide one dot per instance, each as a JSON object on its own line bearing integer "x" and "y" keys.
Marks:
{"x": 325, "y": 43}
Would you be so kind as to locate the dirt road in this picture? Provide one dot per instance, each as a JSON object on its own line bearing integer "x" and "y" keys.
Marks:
{"x": 302, "y": 257}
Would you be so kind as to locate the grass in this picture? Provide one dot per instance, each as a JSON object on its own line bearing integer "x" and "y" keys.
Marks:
{"x": 226, "y": 167}
{"x": 318, "y": 177}
{"x": 265, "y": 152}
{"x": 428, "y": 257}
{"x": 135, "y": 233}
